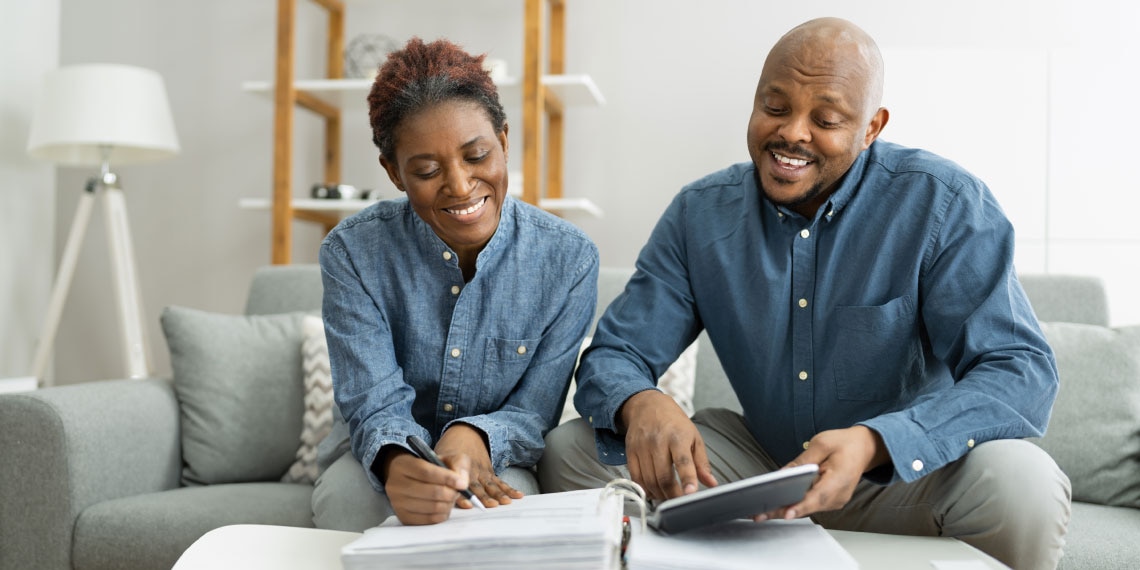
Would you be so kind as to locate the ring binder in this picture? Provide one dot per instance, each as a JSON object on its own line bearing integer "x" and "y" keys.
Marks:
{"x": 628, "y": 489}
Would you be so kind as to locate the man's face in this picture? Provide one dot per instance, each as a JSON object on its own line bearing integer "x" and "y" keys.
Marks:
{"x": 810, "y": 121}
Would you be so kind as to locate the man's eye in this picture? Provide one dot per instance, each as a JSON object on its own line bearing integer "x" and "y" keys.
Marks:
{"x": 773, "y": 110}
{"x": 478, "y": 158}
{"x": 426, "y": 175}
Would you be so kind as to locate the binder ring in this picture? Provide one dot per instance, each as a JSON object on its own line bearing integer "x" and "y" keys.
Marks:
{"x": 629, "y": 490}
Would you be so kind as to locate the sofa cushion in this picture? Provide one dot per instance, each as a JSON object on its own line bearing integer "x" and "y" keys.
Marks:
{"x": 1094, "y": 433}
{"x": 238, "y": 382}
{"x": 152, "y": 530}
{"x": 1101, "y": 537}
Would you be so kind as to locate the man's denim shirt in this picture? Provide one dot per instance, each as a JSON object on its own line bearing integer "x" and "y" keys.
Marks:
{"x": 896, "y": 307}
{"x": 414, "y": 349}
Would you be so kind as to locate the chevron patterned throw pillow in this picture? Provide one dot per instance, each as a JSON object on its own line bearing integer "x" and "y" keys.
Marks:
{"x": 318, "y": 400}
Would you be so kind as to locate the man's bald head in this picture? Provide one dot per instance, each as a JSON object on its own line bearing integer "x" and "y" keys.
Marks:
{"x": 834, "y": 43}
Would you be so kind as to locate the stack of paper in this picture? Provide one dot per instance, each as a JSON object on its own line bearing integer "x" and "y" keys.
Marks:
{"x": 740, "y": 545}
{"x": 576, "y": 529}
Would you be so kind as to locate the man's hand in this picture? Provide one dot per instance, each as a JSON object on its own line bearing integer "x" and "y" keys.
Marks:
{"x": 659, "y": 438}
{"x": 464, "y": 440}
{"x": 843, "y": 456}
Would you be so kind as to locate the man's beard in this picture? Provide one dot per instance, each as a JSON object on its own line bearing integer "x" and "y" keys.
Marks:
{"x": 811, "y": 194}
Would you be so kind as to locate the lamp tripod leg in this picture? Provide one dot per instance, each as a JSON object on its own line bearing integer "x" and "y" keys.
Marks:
{"x": 62, "y": 284}
{"x": 135, "y": 345}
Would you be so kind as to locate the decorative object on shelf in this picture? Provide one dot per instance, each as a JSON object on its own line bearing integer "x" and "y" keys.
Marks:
{"x": 335, "y": 192}
{"x": 342, "y": 192}
{"x": 93, "y": 115}
{"x": 365, "y": 53}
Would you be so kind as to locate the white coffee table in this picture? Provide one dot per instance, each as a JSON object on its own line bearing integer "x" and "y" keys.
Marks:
{"x": 265, "y": 547}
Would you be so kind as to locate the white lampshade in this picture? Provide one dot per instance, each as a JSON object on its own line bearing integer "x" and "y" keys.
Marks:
{"x": 84, "y": 109}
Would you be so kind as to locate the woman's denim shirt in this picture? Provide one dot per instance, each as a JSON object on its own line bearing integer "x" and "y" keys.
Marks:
{"x": 414, "y": 349}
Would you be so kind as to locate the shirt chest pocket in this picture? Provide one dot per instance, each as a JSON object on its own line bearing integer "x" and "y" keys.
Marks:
{"x": 505, "y": 360}
{"x": 879, "y": 356}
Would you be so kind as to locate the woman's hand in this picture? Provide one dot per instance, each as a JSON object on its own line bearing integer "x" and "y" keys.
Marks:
{"x": 462, "y": 440}
{"x": 419, "y": 491}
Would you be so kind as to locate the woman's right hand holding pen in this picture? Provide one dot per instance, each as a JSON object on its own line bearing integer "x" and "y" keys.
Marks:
{"x": 422, "y": 493}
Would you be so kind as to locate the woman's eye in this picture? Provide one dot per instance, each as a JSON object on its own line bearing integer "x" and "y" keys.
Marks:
{"x": 426, "y": 175}
{"x": 477, "y": 158}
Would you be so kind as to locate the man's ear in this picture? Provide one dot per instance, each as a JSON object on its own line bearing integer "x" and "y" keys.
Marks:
{"x": 875, "y": 126}
{"x": 393, "y": 174}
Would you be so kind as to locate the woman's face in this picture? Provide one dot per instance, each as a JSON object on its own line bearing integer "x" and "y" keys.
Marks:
{"x": 453, "y": 166}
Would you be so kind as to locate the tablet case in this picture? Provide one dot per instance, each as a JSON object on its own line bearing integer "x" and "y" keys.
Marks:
{"x": 739, "y": 499}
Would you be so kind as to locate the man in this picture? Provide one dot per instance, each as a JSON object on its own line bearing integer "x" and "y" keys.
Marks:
{"x": 862, "y": 299}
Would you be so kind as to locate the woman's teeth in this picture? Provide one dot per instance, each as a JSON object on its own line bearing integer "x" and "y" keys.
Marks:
{"x": 471, "y": 210}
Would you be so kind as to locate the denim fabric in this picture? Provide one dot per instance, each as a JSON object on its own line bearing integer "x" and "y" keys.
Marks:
{"x": 414, "y": 349}
{"x": 896, "y": 306}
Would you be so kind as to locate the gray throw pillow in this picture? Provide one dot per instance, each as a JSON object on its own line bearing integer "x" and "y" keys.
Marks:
{"x": 1094, "y": 433}
{"x": 240, "y": 395}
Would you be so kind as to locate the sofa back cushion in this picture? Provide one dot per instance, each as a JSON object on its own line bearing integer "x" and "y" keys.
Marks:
{"x": 285, "y": 289}
{"x": 1094, "y": 433}
{"x": 1066, "y": 298}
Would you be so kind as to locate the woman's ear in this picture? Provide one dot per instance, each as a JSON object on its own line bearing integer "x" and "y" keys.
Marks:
{"x": 393, "y": 174}
{"x": 504, "y": 141}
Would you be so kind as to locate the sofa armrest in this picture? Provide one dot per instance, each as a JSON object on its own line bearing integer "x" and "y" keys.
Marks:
{"x": 63, "y": 449}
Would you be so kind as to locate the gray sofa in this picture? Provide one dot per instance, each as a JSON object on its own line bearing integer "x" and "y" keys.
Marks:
{"x": 92, "y": 475}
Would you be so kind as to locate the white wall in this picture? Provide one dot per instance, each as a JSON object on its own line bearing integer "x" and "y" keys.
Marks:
{"x": 678, "y": 77}
{"x": 29, "y": 34}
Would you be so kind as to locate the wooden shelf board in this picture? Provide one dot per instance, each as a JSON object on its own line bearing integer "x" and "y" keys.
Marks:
{"x": 572, "y": 90}
{"x": 564, "y": 205}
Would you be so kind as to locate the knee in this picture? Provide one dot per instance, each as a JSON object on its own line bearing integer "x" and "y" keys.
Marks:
{"x": 568, "y": 438}
{"x": 1020, "y": 476}
{"x": 569, "y": 449}
{"x": 343, "y": 498}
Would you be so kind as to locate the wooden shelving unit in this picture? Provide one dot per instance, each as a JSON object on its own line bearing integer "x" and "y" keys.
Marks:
{"x": 543, "y": 92}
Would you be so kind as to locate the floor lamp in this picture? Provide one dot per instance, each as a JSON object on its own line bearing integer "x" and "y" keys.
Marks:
{"x": 99, "y": 115}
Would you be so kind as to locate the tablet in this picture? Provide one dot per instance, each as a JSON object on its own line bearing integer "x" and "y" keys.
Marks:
{"x": 739, "y": 499}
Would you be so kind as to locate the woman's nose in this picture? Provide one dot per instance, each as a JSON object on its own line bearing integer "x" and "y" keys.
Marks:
{"x": 459, "y": 181}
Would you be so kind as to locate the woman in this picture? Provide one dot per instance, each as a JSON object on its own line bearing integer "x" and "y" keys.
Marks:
{"x": 454, "y": 314}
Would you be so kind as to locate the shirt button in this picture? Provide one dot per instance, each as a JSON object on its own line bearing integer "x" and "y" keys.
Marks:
{"x": 804, "y": 233}
{"x": 447, "y": 256}
{"x": 830, "y": 213}
{"x": 802, "y": 303}
{"x": 917, "y": 465}
{"x": 448, "y": 407}
{"x": 521, "y": 350}
{"x": 807, "y": 444}
{"x": 455, "y": 353}
{"x": 803, "y": 375}
{"x": 780, "y": 215}
{"x": 455, "y": 289}
{"x": 970, "y": 443}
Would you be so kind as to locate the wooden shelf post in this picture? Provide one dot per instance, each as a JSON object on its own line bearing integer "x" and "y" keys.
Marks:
{"x": 285, "y": 99}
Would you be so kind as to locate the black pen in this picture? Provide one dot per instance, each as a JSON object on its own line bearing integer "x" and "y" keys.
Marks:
{"x": 424, "y": 452}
